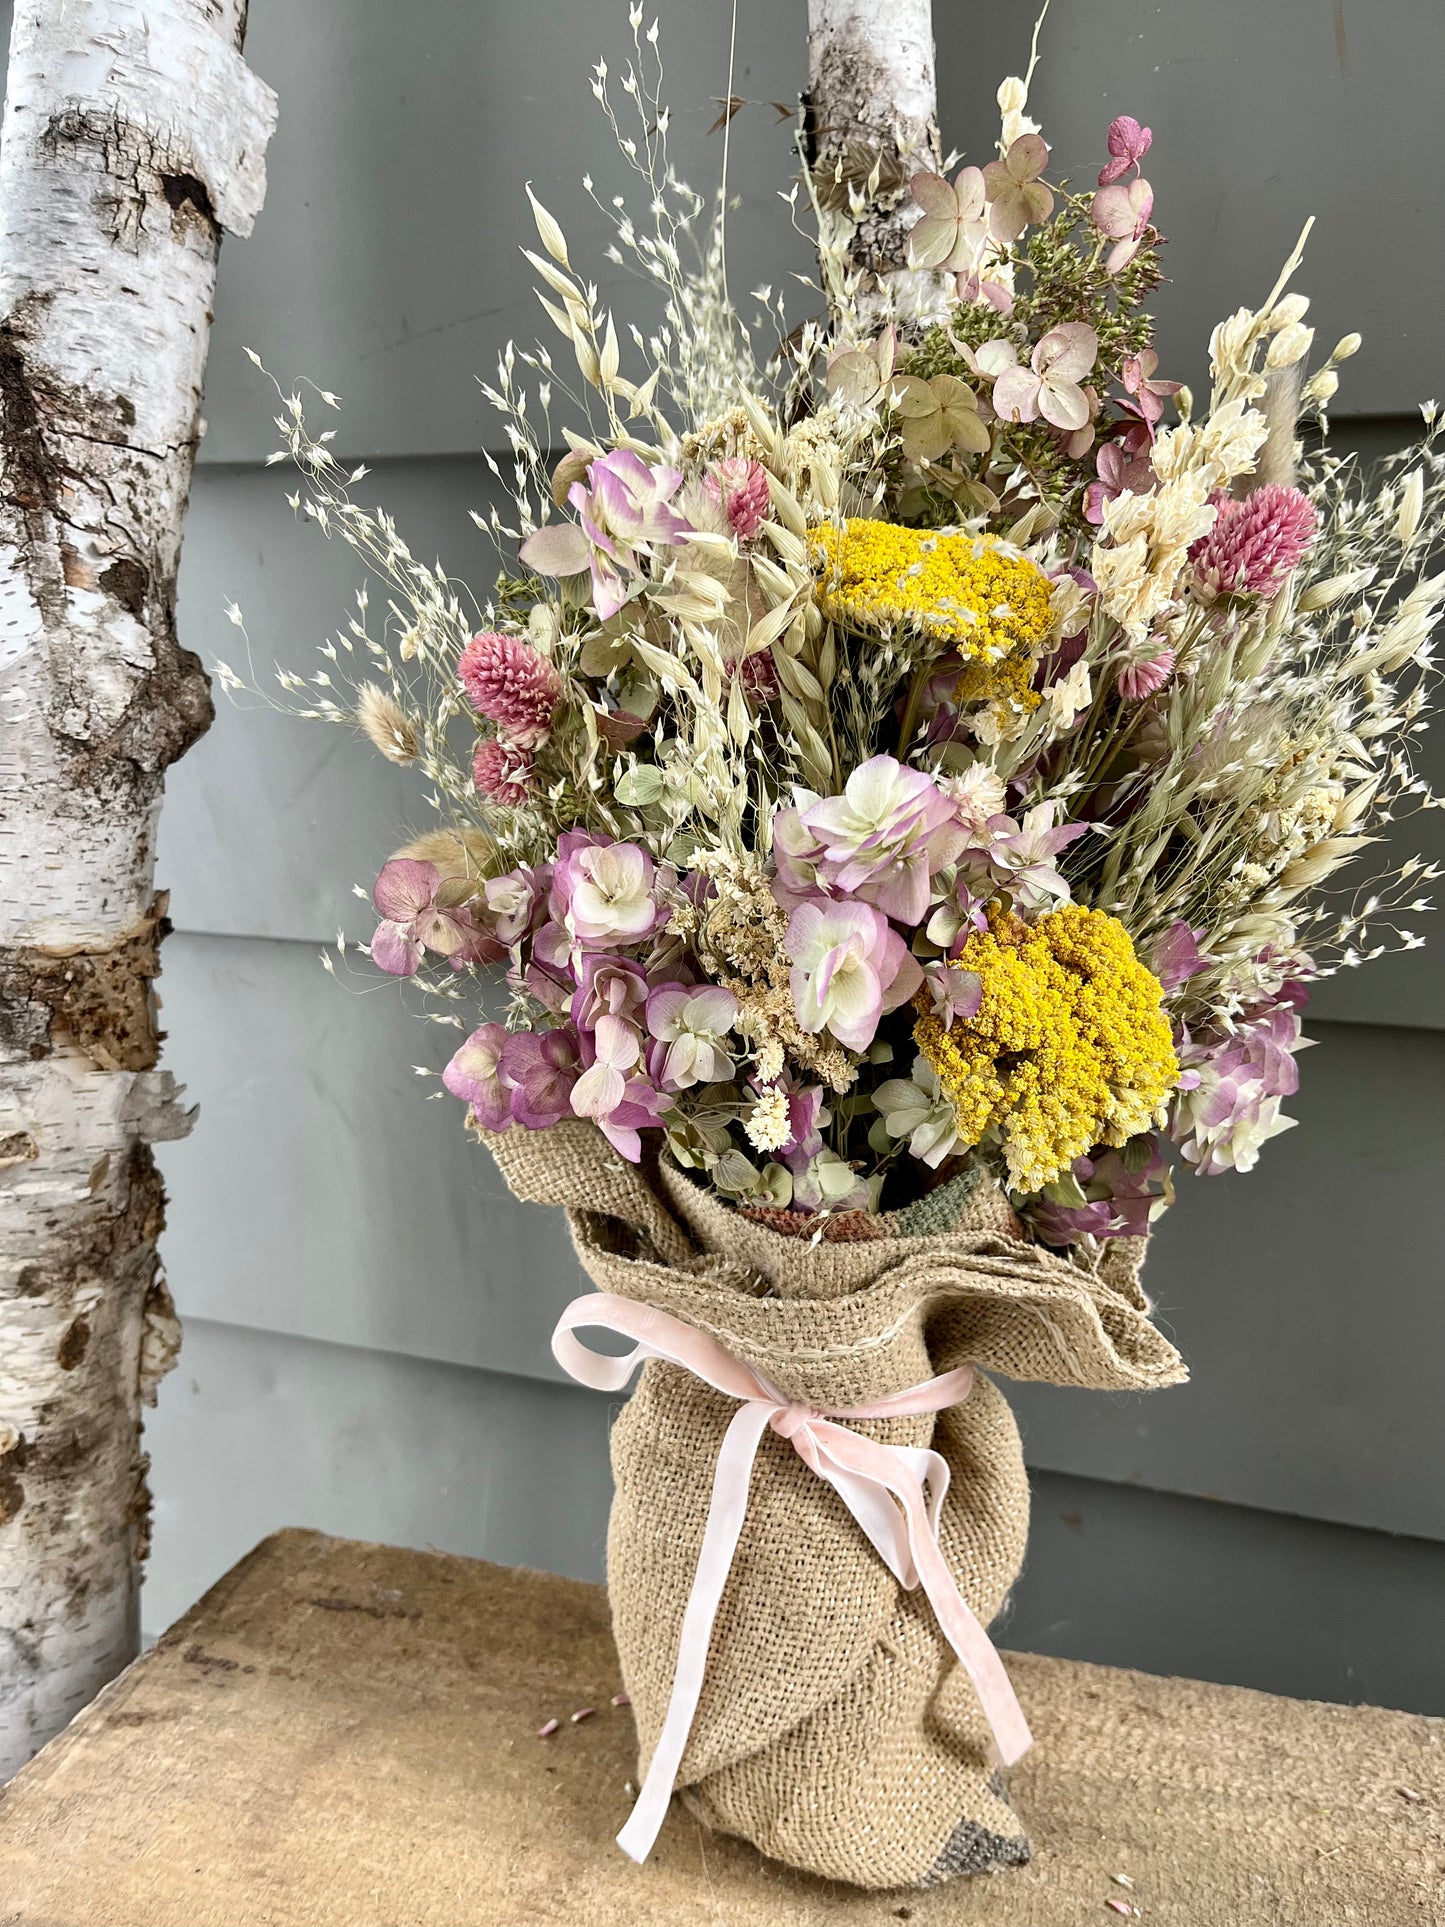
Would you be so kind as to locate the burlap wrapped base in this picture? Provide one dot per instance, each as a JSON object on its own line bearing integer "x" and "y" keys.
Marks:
{"x": 836, "y": 1731}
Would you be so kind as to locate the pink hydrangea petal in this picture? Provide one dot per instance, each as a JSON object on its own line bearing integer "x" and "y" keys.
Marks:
{"x": 1068, "y": 351}
{"x": 395, "y": 950}
{"x": 1027, "y": 157}
{"x": 1016, "y": 395}
{"x": 405, "y": 887}
{"x": 933, "y": 194}
{"x": 557, "y": 549}
{"x": 1063, "y": 403}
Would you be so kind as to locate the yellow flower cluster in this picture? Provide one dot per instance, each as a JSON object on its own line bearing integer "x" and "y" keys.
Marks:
{"x": 971, "y": 591}
{"x": 1069, "y": 1048}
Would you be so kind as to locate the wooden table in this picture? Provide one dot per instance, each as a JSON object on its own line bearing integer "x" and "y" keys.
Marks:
{"x": 344, "y": 1735}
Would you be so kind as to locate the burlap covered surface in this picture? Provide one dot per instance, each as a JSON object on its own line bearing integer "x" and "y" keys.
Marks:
{"x": 835, "y": 1731}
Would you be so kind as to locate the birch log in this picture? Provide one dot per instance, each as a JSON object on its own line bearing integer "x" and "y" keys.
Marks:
{"x": 871, "y": 116}
{"x": 133, "y": 133}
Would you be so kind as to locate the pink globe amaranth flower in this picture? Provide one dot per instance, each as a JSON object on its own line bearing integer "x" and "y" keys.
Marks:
{"x": 849, "y": 967}
{"x": 759, "y": 674}
{"x": 1128, "y": 143}
{"x": 406, "y": 896}
{"x": 512, "y": 685}
{"x": 1137, "y": 680}
{"x": 742, "y": 487}
{"x": 1227, "y": 1103}
{"x": 1255, "y": 542}
{"x": 502, "y": 772}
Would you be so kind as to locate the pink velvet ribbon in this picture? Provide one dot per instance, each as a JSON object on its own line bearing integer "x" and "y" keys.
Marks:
{"x": 881, "y": 1485}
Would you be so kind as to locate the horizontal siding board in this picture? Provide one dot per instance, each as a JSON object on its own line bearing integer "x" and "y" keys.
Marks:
{"x": 1128, "y": 1577}
{"x": 386, "y": 262}
{"x": 257, "y": 1431}
{"x": 270, "y": 823}
{"x": 323, "y": 1195}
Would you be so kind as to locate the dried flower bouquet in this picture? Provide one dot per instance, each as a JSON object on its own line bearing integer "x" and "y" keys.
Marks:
{"x": 897, "y": 780}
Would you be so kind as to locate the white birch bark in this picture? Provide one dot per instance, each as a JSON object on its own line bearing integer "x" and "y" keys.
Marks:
{"x": 872, "y": 123}
{"x": 133, "y": 134}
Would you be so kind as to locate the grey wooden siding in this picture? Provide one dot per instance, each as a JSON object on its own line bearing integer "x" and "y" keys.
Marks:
{"x": 368, "y": 1311}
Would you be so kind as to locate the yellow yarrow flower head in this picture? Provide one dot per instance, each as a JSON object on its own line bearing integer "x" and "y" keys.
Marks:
{"x": 973, "y": 592}
{"x": 1069, "y": 1048}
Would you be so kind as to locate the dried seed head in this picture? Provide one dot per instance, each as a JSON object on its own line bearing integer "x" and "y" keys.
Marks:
{"x": 381, "y": 718}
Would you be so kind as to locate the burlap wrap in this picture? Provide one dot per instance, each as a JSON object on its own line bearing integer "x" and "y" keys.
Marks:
{"x": 836, "y": 1730}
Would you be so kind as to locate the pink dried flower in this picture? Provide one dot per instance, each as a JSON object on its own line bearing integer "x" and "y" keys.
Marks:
{"x": 953, "y": 224}
{"x": 1123, "y": 467}
{"x": 1175, "y": 956}
{"x": 1049, "y": 386}
{"x": 1140, "y": 679}
{"x": 1015, "y": 193}
{"x": 414, "y": 919}
{"x": 1128, "y": 144}
{"x": 883, "y": 840}
{"x": 1255, "y": 542}
{"x": 759, "y": 677}
{"x": 502, "y": 772}
{"x": 1149, "y": 394}
{"x": 541, "y": 1068}
{"x": 849, "y": 967}
{"x": 1115, "y": 1196}
{"x": 742, "y": 488}
{"x": 509, "y": 683}
{"x": 477, "y": 1076}
{"x": 973, "y": 286}
{"x": 1232, "y": 1081}
{"x": 1122, "y": 211}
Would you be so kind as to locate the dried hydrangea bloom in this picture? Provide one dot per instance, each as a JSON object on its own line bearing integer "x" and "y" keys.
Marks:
{"x": 1228, "y": 1103}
